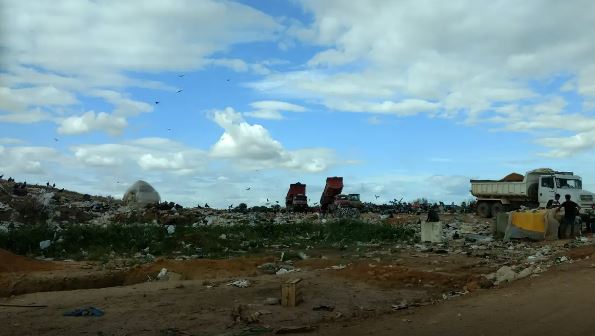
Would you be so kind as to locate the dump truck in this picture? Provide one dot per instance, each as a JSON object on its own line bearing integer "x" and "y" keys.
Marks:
{"x": 332, "y": 188}
{"x": 333, "y": 201}
{"x": 296, "y": 199}
{"x": 535, "y": 190}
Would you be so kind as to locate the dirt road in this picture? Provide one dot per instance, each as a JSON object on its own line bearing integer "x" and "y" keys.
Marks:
{"x": 561, "y": 302}
{"x": 558, "y": 302}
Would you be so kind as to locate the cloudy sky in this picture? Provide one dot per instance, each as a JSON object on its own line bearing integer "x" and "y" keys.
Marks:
{"x": 204, "y": 99}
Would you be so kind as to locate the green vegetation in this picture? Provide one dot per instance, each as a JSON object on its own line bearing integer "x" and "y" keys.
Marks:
{"x": 97, "y": 242}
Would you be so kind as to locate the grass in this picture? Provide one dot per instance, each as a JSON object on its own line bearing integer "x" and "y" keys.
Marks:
{"x": 97, "y": 242}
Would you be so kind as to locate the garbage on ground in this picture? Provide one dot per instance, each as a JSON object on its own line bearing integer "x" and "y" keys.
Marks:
{"x": 241, "y": 283}
{"x": 44, "y": 244}
{"x": 89, "y": 311}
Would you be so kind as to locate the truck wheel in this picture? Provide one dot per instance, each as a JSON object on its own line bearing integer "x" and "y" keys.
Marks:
{"x": 483, "y": 209}
{"x": 497, "y": 208}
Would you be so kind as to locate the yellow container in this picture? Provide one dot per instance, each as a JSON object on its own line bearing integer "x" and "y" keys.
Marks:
{"x": 530, "y": 221}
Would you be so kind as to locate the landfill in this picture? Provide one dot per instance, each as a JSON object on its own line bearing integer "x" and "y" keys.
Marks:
{"x": 398, "y": 262}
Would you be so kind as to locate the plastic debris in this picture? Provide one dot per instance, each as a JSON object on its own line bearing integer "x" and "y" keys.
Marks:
{"x": 241, "y": 283}
{"x": 44, "y": 244}
{"x": 162, "y": 274}
{"x": 89, "y": 311}
{"x": 171, "y": 229}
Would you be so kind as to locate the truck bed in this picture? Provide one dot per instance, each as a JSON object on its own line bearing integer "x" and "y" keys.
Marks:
{"x": 495, "y": 189}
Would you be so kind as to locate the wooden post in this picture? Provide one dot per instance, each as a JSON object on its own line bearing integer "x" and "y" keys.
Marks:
{"x": 291, "y": 294}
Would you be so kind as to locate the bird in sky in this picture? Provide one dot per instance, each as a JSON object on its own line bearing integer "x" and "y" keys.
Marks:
{"x": 156, "y": 102}
{"x": 56, "y": 139}
{"x": 267, "y": 200}
{"x": 182, "y": 75}
{"x": 179, "y": 91}
{"x": 376, "y": 196}
{"x": 248, "y": 188}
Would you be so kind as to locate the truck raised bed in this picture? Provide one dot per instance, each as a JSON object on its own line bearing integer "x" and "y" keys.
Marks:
{"x": 296, "y": 199}
{"x": 535, "y": 190}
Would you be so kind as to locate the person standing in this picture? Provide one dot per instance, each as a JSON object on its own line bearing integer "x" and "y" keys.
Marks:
{"x": 571, "y": 209}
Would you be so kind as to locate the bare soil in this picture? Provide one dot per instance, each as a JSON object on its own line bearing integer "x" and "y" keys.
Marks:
{"x": 356, "y": 297}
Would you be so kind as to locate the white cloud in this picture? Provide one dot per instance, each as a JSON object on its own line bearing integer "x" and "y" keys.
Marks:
{"x": 124, "y": 106}
{"x": 148, "y": 154}
{"x": 26, "y": 117}
{"x": 26, "y": 160}
{"x": 90, "y": 121}
{"x": 54, "y": 53}
{"x": 568, "y": 146}
{"x": 381, "y": 57}
{"x": 11, "y": 141}
{"x": 128, "y": 36}
{"x": 19, "y": 100}
{"x": 239, "y": 65}
{"x": 272, "y": 109}
{"x": 255, "y": 147}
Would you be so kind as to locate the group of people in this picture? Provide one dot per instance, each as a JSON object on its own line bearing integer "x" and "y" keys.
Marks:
{"x": 571, "y": 210}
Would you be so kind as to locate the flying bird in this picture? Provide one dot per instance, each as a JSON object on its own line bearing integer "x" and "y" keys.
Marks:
{"x": 376, "y": 196}
{"x": 169, "y": 129}
{"x": 248, "y": 188}
{"x": 267, "y": 200}
{"x": 179, "y": 91}
{"x": 182, "y": 75}
{"x": 156, "y": 102}
{"x": 56, "y": 139}
{"x": 227, "y": 79}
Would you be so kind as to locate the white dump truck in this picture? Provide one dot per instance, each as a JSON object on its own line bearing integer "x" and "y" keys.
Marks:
{"x": 535, "y": 190}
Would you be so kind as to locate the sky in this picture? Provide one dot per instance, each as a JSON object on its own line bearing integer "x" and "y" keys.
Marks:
{"x": 207, "y": 99}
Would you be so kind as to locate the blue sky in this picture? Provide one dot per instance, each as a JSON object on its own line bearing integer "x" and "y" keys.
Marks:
{"x": 404, "y": 99}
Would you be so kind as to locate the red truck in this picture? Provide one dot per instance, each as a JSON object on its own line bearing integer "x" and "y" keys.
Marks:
{"x": 333, "y": 187}
{"x": 296, "y": 199}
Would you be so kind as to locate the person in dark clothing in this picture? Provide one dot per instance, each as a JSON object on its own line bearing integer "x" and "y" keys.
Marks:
{"x": 571, "y": 209}
{"x": 433, "y": 214}
{"x": 555, "y": 203}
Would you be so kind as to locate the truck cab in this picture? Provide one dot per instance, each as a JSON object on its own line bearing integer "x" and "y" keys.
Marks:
{"x": 564, "y": 184}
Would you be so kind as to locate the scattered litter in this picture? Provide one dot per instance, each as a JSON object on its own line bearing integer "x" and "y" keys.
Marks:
{"x": 401, "y": 306}
{"x": 171, "y": 229}
{"x": 338, "y": 267}
{"x": 223, "y": 236}
{"x": 281, "y": 271}
{"x": 44, "y": 244}
{"x": 241, "y": 283}
{"x": 162, "y": 274}
{"x": 89, "y": 311}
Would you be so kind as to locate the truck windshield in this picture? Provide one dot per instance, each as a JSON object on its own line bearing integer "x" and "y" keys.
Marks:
{"x": 568, "y": 183}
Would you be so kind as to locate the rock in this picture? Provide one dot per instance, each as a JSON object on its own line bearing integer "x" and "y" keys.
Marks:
{"x": 525, "y": 273}
{"x": 505, "y": 274}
